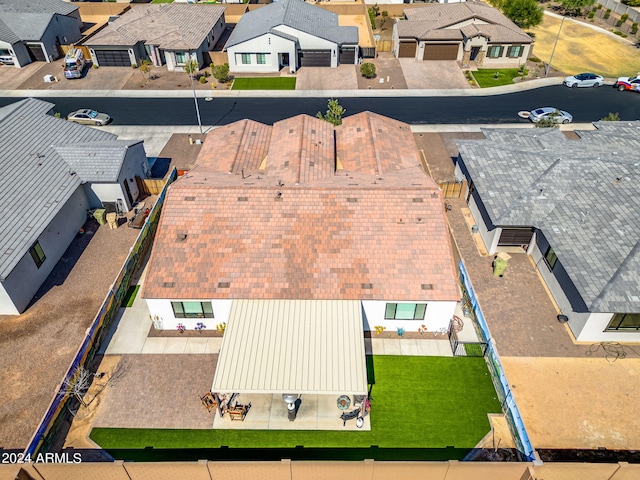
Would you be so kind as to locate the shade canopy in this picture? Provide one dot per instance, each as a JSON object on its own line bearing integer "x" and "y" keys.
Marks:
{"x": 293, "y": 346}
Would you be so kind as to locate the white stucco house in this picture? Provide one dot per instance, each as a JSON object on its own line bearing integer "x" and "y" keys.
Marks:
{"x": 167, "y": 34}
{"x": 54, "y": 171}
{"x": 302, "y": 210}
{"x": 34, "y": 30}
{"x": 465, "y": 32}
{"x": 293, "y": 34}
{"x": 573, "y": 206}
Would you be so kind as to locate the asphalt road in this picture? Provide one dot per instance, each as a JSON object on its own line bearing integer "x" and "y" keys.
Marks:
{"x": 585, "y": 104}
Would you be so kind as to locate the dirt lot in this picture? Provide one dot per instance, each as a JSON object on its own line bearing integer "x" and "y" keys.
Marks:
{"x": 37, "y": 346}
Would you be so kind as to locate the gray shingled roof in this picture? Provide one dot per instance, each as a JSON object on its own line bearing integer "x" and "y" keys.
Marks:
{"x": 28, "y": 19}
{"x": 582, "y": 194}
{"x": 172, "y": 26}
{"x": 421, "y": 23}
{"x": 96, "y": 162}
{"x": 295, "y": 14}
{"x": 36, "y": 180}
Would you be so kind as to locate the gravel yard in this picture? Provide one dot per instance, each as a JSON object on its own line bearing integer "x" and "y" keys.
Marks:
{"x": 37, "y": 346}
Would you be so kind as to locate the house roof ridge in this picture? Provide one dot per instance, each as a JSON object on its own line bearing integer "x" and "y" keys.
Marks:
{"x": 612, "y": 283}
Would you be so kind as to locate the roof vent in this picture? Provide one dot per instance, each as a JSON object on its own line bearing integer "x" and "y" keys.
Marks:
{"x": 427, "y": 286}
{"x": 291, "y": 130}
{"x": 313, "y": 131}
{"x": 224, "y": 284}
{"x": 358, "y": 129}
{"x": 243, "y": 199}
{"x": 168, "y": 284}
{"x": 417, "y": 200}
{"x": 352, "y": 200}
{"x": 181, "y": 237}
{"x": 278, "y": 197}
{"x": 189, "y": 199}
{"x": 366, "y": 286}
{"x": 312, "y": 164}
{"x": 253, "y": 134}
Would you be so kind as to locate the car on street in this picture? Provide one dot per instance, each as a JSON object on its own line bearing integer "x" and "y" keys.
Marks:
{"x": 87, "y": 116}
{"x": 628, "y": 83}
{"x": 552, "y": 113}
{"x": 584, "y": 80}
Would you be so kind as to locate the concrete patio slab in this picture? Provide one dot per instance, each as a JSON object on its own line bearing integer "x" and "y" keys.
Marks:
{"x": 409, "y": 347}
{"x": 196, "y": 345}
{"x": 213, "y": 345}
{"x": 176, "y": 345}
{"x": 269, "y": 412}
{"x": 155, "y": 345}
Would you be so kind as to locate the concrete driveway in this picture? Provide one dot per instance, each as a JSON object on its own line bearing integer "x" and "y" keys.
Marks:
{"x": 433, "y": 74}
{"x": 322, "y": 78}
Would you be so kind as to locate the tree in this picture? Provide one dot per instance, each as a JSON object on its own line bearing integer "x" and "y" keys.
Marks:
{"x": 368, "y": 70}
{"x": 611, "y": 117}
{"x": 385, "y": 16}
{"x": 191, "y": 66}
{"x": 574, "y": 8}
{"x": 546, "y": 123}
{"x": 524, "y": 13}
{"x": 76, "y": 385}
{"x": 145, "y": 67}
{"x": 220, "y": 72}
{"x": 334, "y": 112}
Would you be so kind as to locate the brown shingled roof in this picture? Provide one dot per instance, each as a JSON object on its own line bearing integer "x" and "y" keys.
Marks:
{"x": 373, "y": 230}
{"x": 438, "y": 21}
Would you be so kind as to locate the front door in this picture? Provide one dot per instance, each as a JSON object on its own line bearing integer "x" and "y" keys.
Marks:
{"x": 128, "y": 192}
{"x": 474, "y": 52}
{"x": 285, "y": 59}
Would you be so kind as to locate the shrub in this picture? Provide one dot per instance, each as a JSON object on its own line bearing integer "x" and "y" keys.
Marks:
{"x": 372, "y": 17}
{"x": 368, "y": 70}
{"x": 221, "y": 73}
{"x": 599, "y": 6}
{"x": 202, "y": 79}
{"x": 534, "y": 59}
{"x": 632, "y": 3}
{"x": 607, "y": 14}
{"x": 624, "y": 17}
{"x": 592, "y": 14}
{"x": 619, "y": 23}
{"x": 634, "y": 28}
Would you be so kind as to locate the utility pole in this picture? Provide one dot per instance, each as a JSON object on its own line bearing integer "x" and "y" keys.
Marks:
{"x": 546, "y": 69}
{"x": 195, "y": 98}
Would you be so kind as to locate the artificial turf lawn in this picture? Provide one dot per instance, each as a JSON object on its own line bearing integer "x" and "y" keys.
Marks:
{"x": 264, "y": 83}
{"x": 416, "y": 402}
{"x": 486, "y": 77}
{"x": 130, "y": 296}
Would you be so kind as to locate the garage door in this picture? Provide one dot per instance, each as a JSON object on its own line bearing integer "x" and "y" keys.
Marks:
{"x": 113, "y": 58}
{"x": 515, "y": 236}
{"x": 407, "y": 49}
{"x": 35, "y": 53}
{"x": 441, "y": 52}
{"x": 315, "y": 58}
{"x": 348, "y": 55}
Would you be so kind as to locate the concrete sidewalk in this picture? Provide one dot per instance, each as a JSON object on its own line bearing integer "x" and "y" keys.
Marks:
{"x": 469, "y": 92}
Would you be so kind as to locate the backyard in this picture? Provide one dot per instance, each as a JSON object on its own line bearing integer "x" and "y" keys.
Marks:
{"x": 417, "y": 403}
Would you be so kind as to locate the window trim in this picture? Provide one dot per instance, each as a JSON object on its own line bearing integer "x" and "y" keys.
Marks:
{"x": 618, "y": 318}
{"x": 206, "y": 310}
{"x": 518, "y": 48}
{"x": 37, "y": 254}
{"x": 183, "y": 60}
{"x": 550, "y": 258}
{"x": 393, "y": 307}
{"x": 500, "y": 51}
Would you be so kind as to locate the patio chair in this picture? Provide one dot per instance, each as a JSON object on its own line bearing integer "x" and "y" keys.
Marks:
{"x": 350, "y": 415}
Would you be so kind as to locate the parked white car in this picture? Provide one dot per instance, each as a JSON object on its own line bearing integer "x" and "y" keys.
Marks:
{"x": 543, "y": 113}
{"x": 584, "y": 80}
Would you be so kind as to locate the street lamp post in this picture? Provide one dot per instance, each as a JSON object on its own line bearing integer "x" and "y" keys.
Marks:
{"x": 546, "y": 69}
{"x": 193, "y": 88}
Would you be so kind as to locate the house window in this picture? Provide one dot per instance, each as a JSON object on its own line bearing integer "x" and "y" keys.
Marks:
{"x": 624, "y": 321}
{"x": 37, "y": 254}
{"x": 405, "y": 311}
{"x": 192, "y": 309}
{"x": 550, "y": 258}
{"x": 181, "y": 58}
{"x": 515, "y": 51}
{"x": 495, "y": 51}
{"x": 246, "y": 58}
{"x": 261, "y": 58}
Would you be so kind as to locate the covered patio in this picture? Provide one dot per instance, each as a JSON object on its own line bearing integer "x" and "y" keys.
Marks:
{"x": 294, "y": 365}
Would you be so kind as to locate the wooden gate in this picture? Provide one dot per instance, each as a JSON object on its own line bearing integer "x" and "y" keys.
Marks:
{"x": 383, "y": 45}
{"x": 451, "y": 189}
